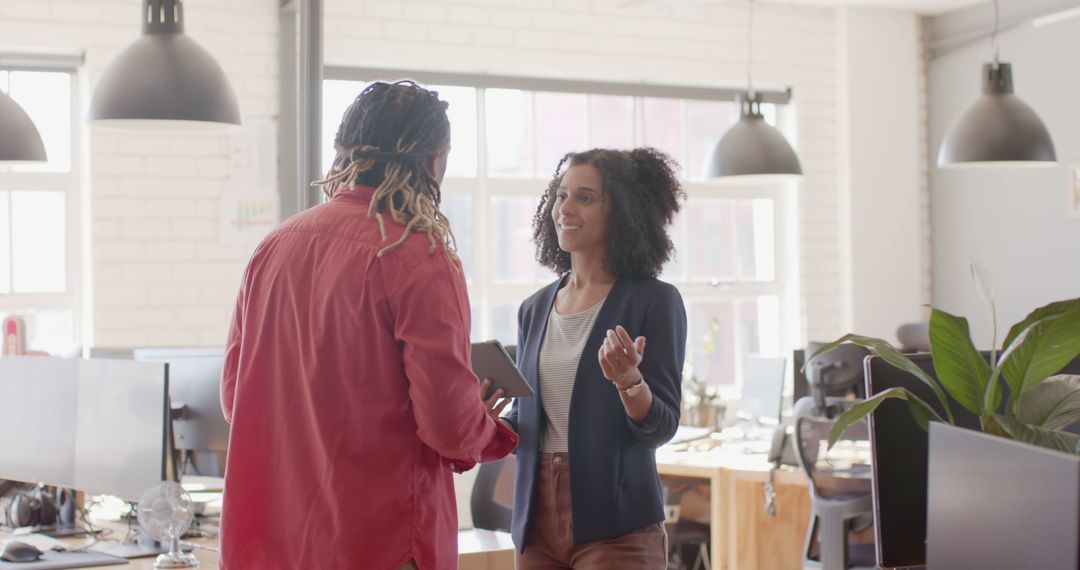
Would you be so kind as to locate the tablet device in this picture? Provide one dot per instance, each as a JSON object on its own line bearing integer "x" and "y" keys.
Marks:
{"x": 490, "y": 360}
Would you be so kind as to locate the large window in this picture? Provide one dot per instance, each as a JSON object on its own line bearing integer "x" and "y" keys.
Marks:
{"x": 731, "y": 241}
{"x": 39, "y": 221}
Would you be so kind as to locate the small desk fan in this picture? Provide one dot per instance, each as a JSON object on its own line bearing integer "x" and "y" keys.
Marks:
{"x": 165, "y": 512}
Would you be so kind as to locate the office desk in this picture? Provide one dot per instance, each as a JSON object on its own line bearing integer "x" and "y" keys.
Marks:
{"x": 477, "y": 550}
{"x": 743, "y": 537}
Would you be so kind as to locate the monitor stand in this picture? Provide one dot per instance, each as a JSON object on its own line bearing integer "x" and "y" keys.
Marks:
{"x": 145, "y": 546}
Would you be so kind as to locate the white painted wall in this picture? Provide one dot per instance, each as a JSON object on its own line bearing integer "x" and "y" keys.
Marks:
{"x": 165, "y": 264}
{"x": 1012, "y": 222}
{"x": 882, "y": 179}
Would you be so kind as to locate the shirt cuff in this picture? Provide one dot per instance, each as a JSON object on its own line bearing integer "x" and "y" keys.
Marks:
{"x": 502, "y": 443}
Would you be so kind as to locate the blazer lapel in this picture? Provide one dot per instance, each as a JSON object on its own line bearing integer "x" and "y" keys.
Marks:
{"x": 588, "y": 360}
{"x": 544, "y": 303}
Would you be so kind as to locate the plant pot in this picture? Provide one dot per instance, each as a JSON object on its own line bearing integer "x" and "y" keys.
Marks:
{"x": 998, "y": 503}
{"x": 705, "y": 414}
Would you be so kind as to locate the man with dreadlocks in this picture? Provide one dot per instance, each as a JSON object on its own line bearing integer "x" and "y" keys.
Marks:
{"x": 347, "y": 378}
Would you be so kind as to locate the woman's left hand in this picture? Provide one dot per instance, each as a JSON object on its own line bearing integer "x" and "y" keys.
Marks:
{"x": 620, "y": 356}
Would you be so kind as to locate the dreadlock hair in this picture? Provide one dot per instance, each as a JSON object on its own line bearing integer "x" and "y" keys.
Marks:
{"x": 384, "y": 138}
{"x": 644, "y": 190}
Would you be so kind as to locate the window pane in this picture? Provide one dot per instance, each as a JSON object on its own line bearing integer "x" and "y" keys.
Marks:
{"x": 462, "y": 113}
{"x": 459, "y": 210}
{"x": 5, "y": 243}
{"x": 723, "y": 331}
{"x": 675, "y": 268}
{"x": 336, "y": 98}
{"x": 54, "y": 332}
{"x": 706, "y": 122}
{"x": 48, "y": 331}
{"x": 504, "y": 323}
{"x": 756, "y": 239}
{"x": 712, "y": 222}
{"x": 39, "y": 242}
{"x": 712, "y": 341}
{"x": 509, "y": 118}
{"x": 611, "y": 121}
{"x": 513, "y": 253}
{"x": 759, "y": 325}
{"x": 663, "y": 126}
{"x": 561, "y": 121}
{"x": 46, "y": 98}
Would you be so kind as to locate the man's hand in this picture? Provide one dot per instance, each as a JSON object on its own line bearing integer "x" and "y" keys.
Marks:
{"x": 493, "y": 405}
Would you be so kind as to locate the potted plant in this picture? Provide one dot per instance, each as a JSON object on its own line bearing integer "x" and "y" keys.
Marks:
{"x": 1008, "y": 497}
{"x": 703, "y": 409}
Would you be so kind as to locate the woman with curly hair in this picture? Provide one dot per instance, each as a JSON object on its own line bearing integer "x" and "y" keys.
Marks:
{"x": 587, "y": 493}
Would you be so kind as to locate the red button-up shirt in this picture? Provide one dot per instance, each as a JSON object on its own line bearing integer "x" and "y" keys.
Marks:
{"x": 348, "y": 384}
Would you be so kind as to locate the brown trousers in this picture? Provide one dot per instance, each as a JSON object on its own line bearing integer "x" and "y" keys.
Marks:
{"x": 549, "y": 544}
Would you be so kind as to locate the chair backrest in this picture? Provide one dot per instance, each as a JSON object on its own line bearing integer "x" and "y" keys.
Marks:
{"x": 492, "y": 499}
{"x": 845, "y": 470}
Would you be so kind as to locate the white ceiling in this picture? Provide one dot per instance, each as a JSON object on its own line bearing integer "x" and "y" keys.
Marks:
{"x": 928, "y": 7}
{"x": 921, "y": 6}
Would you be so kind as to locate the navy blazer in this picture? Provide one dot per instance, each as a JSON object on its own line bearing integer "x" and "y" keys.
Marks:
{"x": 614, "y": 486}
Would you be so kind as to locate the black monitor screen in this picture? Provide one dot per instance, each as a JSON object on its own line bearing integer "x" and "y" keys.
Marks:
{"x": 900, "y": 450}
{"x": 194, "y": 383}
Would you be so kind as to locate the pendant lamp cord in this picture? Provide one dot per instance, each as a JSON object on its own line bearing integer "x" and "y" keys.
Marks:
{"x": 750, "y": 48}
{"x": 994, "y": 36}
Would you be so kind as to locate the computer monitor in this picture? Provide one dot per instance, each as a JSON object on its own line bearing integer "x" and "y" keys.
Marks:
{"x": 762, "y": 389}
{"x": 39, "y": 397}
{"x": 121, "y": 421}
{"x": 92, "y": 425}
{"x": 900, "y": 450}
{"x": 800, "y": 385}
{"x": 194, "y": 388}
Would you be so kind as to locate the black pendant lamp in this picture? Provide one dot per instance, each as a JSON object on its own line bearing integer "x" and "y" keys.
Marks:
{"x": 752, "y": 147}
{"x": 998, "y": 129}
{"x": 20, "y": 140}
{"x": 165, "y": 79}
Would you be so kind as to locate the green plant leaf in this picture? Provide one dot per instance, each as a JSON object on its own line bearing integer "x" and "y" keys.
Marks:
{"x": 1048, "y": 346}
{"x": 1053, "y": 404}
{"x": 991, "y": 426}
{"x": 1042, "y": 437}
{"x": 993, "y": 396}
{"x": 1055, "y": 308}
{"x": 959, "y": 366}
{"x": 919, "y": 410}
{"x": 894, "y": 357}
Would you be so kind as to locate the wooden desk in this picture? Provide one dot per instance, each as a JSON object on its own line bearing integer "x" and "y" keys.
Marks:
{"x": 485, "y": 550}
{"x": 477, "y": 550}
{"x": 743, "y": 536}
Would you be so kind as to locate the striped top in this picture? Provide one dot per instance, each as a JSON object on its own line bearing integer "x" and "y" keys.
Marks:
{"x": 560, "y": 353}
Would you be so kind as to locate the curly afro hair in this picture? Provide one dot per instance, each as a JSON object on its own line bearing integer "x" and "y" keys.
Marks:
{"x": 644, "y": 190}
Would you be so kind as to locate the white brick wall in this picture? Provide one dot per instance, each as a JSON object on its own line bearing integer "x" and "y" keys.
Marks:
{"x": 657, "y": 41}
{"x": 161, "y": 274}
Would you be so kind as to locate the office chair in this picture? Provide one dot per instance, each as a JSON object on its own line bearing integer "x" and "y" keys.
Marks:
{"x": 835, "y": 374}
{"x": 839, "y": 487}
{"x": 492, "y": 499}
{"x": 683, "y": 532}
